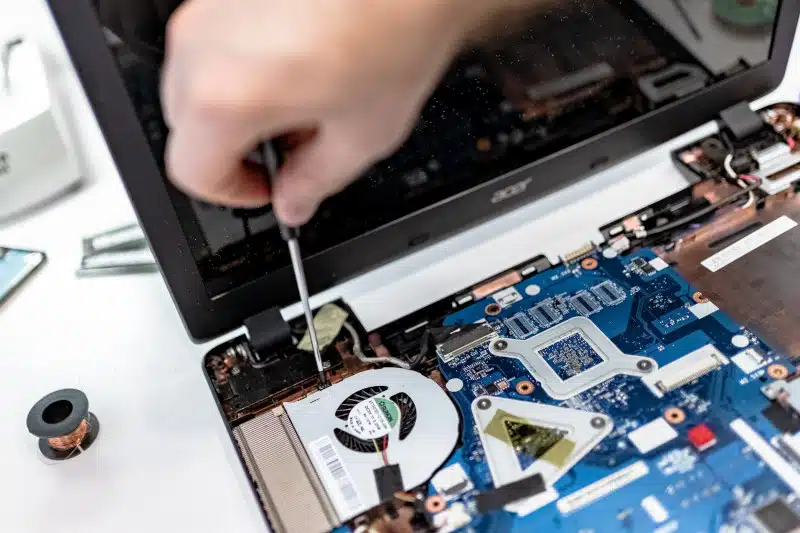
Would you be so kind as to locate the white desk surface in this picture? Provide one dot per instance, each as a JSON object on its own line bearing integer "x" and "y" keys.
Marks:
{"x": 163, "y": 461}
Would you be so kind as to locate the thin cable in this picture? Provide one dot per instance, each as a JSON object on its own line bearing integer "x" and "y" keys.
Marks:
{"x": 359, "y": 353}
{"x": 426, "y": 339}
{"x": 729, "y": 167}
{"x": 704, "y": 211}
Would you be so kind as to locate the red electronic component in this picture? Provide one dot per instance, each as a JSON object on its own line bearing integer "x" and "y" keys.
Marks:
{"x": 702, "y": 437}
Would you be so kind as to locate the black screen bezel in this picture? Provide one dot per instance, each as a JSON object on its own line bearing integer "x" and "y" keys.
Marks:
{"x": 206, "y": 318}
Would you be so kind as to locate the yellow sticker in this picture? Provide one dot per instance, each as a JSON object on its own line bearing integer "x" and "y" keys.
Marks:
{"x": 559, "y": 454}
{"x": 526, "y": 437}
{"x": 328, "y": 323}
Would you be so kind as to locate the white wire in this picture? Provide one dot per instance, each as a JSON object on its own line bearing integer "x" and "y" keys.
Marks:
{"x": 369, "y": 360}
{"x": 729, "y": 168}
{"x": 750, "y": 201}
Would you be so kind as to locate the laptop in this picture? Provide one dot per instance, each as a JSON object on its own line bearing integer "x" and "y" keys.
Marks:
{"x": 645, "y": 382}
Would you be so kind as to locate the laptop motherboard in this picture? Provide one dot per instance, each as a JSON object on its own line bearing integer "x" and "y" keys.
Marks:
{"x": 640, "y": 404}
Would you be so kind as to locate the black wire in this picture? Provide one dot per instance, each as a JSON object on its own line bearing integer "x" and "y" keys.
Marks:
{"x": 704, "y": 211}
{"x": 424, "y": 348}
{"x": 432, "y": 334}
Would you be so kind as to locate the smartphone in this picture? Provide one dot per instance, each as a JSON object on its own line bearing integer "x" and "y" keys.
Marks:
{"x": 16, "y": 267}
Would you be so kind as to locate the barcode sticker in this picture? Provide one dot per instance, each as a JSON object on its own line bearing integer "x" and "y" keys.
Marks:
{"x": 758, "y": 238}
{"x": 337, "y": 479}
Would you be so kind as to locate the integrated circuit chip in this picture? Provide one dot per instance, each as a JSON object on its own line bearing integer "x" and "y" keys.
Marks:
{"x": 584, "y": 303}
{"x": 521, "y": 326}
{"x": 609, "y": 293}
{"x": 777, "y": 517}
{"x": 570, "y": 355}
{"x": 545, "y": 314}
{"x": 645, "y": 267}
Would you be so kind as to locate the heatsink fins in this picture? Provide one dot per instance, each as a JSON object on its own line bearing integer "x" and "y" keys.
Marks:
{"x": 290, "y": 491}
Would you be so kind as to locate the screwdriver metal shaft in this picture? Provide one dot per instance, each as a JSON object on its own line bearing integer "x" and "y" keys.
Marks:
{"x": 302, "y": 288}
{"x": 291, "y": 236}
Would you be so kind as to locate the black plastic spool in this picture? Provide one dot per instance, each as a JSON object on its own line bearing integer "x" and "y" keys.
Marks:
{"x": 59, "y": 414}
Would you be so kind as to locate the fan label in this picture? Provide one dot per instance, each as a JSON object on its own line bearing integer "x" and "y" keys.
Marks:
{"x": 373, "y": 418}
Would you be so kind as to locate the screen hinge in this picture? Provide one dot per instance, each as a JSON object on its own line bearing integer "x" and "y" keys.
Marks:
{"x": 268, "y": 332}
{"x": 741, "y": 120}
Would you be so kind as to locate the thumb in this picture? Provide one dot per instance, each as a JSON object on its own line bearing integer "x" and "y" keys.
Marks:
{"x": 312, "y": 172}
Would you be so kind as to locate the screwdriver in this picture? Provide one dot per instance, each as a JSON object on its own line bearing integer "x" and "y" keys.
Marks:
{"x": 291, "y": 236}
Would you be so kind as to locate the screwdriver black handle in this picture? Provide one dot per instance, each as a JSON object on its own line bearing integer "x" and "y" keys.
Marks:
{"x": 272, "y": 162}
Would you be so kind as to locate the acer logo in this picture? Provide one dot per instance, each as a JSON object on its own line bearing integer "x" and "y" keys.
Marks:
{"x": 5, "y": 163}
{"x": 511, "y": 191}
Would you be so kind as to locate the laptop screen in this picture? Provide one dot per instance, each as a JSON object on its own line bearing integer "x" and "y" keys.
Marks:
{"x": 564, "y": 74}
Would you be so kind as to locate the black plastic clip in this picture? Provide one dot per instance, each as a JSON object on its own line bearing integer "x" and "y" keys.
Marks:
{"x": 268, "y": 331}
{"x": 741, "y": 120}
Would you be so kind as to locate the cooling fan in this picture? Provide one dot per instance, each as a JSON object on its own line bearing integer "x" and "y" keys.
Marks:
{"x": 377, "y": 417}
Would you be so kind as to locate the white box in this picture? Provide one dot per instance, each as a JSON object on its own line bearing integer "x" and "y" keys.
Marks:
{"x": 36, "y": 160}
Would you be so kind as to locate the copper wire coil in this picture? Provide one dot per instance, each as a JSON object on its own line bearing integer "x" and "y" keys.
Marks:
{"x": 71, "y": 441}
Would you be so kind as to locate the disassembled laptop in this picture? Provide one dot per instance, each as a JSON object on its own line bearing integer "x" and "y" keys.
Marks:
{"x": 644, "y": 383}
{"x": 529, "y": 388}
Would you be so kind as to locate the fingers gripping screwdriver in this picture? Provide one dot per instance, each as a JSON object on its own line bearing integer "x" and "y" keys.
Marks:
{"x": 291, "y": 236}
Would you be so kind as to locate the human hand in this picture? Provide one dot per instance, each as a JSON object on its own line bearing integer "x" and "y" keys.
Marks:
{"x": 350, "y": 75}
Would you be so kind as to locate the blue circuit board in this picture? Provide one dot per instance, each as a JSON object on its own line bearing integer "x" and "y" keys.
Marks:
{"x": 646, "y": 311}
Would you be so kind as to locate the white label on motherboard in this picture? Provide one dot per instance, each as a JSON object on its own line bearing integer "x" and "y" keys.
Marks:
{"x": 337, "y": 479}
{"x": 739, "y": 249}
{"x": 652, "y": 435}
{"x": 704, "y": 309}
{"x": 658, "y": 264}
{"x": 602, "y": 488}
{"x": 507, "y": 297}
{"x": 655, "y": 509}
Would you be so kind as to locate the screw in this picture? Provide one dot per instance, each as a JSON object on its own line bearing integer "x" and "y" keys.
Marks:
{"x": 484, "y": 404}
{"x": 500, "y": 345}
{"x": 644, "y": 365}
{"x": 598, "y": 422}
